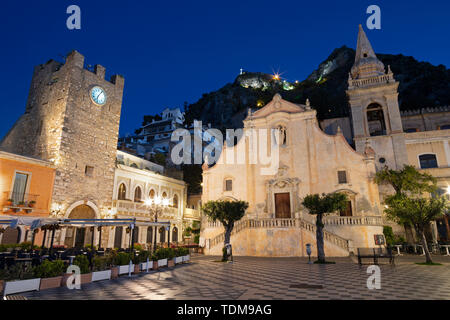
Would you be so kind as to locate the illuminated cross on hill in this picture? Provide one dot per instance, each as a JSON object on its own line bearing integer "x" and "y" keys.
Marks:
{"x": 242, "y": 71}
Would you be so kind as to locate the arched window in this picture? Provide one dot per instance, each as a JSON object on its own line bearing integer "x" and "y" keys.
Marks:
{"x": 428, "y": 161}
{"x": 137, "y": 194}
{"x": 134, "y": 165}
{"x": 375, "y": 120}
{"x": 164, "y": 195}
{"x": 152, "y": 194}
{"x": 175, "y": 201}
{"x": 162, "y": 235}
{"x": 175, "y": 234}
{"x": 122, "y": 192}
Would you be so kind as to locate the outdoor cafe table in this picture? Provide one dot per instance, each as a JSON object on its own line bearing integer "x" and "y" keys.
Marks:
{"x": 419, "y": 245}
{"x": 446, "y": 246}
{"x": 23, "y": 260}
{"x": 398, "y": 246}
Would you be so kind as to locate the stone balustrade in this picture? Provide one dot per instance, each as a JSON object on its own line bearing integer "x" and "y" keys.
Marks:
{"x": 371, "y": 81}
{"x": 279, "y": 223}
{"x": 360, "y": 221}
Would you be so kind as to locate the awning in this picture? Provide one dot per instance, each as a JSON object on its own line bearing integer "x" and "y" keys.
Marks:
{"x": 37, "y": 222}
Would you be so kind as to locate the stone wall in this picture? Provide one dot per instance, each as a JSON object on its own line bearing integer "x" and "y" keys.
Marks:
{"x": 63, "y": 125}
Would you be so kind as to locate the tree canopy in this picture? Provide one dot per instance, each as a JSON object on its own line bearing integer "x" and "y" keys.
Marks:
{"x": 227, "y": 212}
{"x": 327, "y": 203}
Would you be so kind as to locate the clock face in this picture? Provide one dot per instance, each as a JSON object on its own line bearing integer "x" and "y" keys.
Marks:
{"x": 98, "y": 95}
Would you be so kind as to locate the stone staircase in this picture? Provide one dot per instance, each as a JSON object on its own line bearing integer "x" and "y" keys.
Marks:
{"x": 277, "y": 223}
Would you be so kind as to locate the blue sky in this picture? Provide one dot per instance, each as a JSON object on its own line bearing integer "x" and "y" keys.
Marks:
{"x": 174, "y": 51}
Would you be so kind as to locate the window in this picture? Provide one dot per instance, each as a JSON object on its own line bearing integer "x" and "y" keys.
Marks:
{"x": 19, "y": 188}
{"x": 175, "y": 234}
{"x": 375, "y": 120}
{"x": 122, "y": 192}
{"x": 342, "y": 177}
{"x": 428, "y": 161}
{"x": 228, "y": 185}
{"x": 89, "y": 171}
{"x": 164, "y": 195}
{"x": 137, "y": 194}
{"x": 152, "y": 194}
{"x": 150, "y": 235}
{"x": 409, "y": 130}
{"x": 445, "y": 127}
{"x": 175, "y": 201}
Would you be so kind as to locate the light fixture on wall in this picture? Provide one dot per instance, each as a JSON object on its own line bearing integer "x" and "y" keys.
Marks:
{"x": 56, "y": 211}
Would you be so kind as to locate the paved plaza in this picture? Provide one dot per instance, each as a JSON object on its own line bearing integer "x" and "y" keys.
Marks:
{"x": 268, "y": 278}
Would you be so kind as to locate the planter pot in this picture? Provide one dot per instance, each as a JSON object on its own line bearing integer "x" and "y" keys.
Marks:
{"x": 137, "y": 268}
{"x": 171, "y": 263}
{"x": 50, "y": 283}
{"x": 162, "y": 263}
{"x": 155, "y": 265}
{"x": 86, "y": 278}
{"x": 21, "y": 286}
{"x": 186, "y": 258}
{"x": 125, "y": 269}
{"x": 114, "y": 272}
{"x": 101, "y": 275}
{"x": 144, "y": 265}
{"x": 178, "y": 260}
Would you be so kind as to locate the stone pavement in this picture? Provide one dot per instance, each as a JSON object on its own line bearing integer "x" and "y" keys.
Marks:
{"x": 268, "y": 278}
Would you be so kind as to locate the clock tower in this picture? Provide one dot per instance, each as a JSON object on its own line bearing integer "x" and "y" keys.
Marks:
{"x": 72, "y": 119}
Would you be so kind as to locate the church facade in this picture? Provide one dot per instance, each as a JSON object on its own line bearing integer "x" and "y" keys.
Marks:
{"x": 312, "y": 161}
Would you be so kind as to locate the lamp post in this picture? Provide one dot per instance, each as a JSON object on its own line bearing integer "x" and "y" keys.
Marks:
{"x": 156, "y": 207}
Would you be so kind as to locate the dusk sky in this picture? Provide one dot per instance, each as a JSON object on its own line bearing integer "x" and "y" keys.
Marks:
{"x": 174, "y": 51}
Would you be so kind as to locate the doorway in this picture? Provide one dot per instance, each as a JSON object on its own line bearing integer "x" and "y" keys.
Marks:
{"x": 282, "y": 205}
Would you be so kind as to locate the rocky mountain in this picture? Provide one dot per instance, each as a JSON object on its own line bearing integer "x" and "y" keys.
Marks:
{"x": 421, "y": 85}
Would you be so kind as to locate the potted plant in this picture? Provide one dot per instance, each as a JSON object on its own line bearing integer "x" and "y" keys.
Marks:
{"x": 9, "y": 202}
{"x": 101, "y": 268}
{"x": 50, "y": 273}
{"x": 178, "y": 255}
{"x": 122, "y": 260}
{"x": 18, "y": 279}
{"x": 21, "y": 204}
{"x": 31, "y": 204}
{"x": 142, "y": 259}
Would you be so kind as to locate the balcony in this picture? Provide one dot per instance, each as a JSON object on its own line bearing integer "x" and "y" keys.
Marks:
{"x": 128, "y": 207}
{"x": 17, "y": 202}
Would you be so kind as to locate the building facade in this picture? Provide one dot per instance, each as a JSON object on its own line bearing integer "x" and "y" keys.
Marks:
{"x": 26, "y": 188}
{"x": 315, "y": 162}
{"x": 309, "y": 162}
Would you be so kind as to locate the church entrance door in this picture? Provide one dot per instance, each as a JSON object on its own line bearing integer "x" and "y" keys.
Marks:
{"x": 282, "y": 206}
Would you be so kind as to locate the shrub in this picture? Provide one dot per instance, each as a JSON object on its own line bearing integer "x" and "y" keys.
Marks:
{"x": 391, "y": 238}
{"x": 101, "y": 263}
{"x": 17, "y": 272}
{"x": 82, "y": 262}
{"x": 179, "y": 252}
{"x": 142, "y": 256}
{"x": 121, "y": 259}
{"x": 138, "y": 247}
{"x": 165, "y": 253}
{"x": 49, "y": 269}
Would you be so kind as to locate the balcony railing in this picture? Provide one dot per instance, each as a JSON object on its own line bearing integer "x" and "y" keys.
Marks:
{"x": 130, "y": 207}
{"x": 17, "y": 201}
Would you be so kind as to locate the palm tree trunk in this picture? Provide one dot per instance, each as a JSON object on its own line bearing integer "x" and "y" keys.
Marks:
{"x": 319, "y": 239}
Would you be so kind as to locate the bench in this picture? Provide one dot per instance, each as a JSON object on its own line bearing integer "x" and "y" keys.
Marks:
{"x": 375, "y": 254}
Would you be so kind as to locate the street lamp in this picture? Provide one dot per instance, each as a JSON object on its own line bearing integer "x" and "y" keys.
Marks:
{"x": 156, "y": 207}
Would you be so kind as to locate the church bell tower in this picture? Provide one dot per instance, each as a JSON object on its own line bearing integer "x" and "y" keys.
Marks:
{"x": 373, "y": 99}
